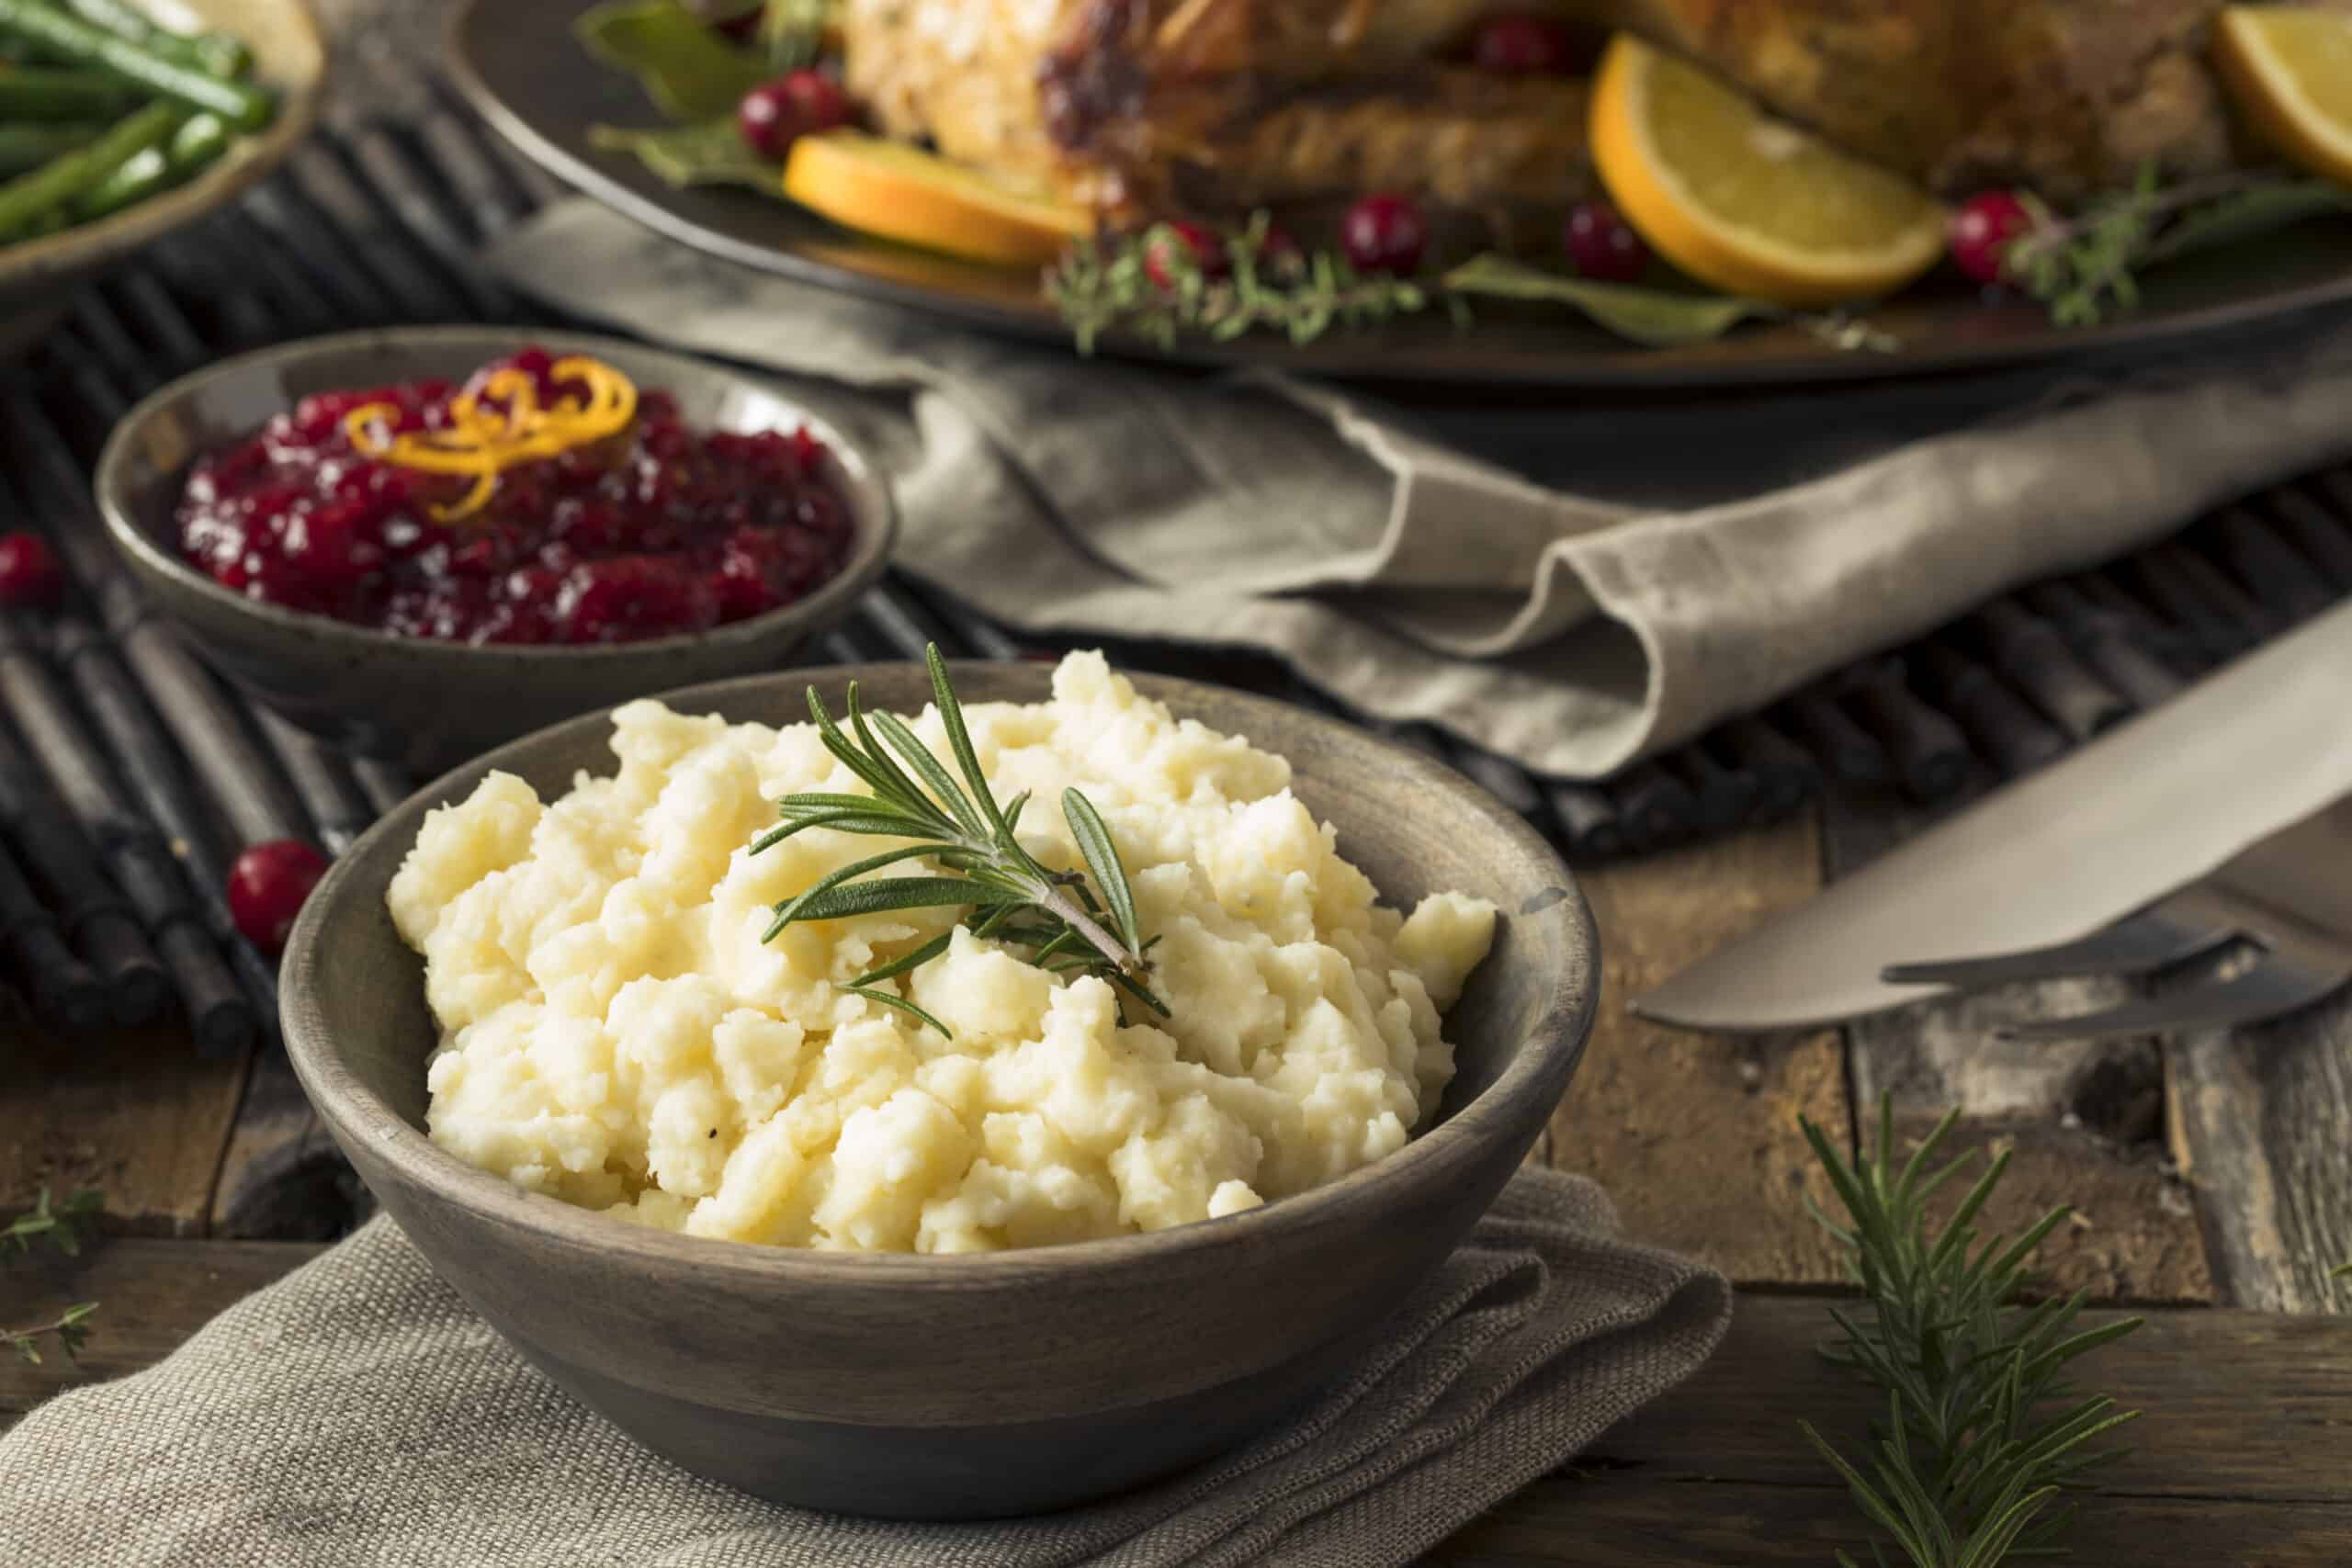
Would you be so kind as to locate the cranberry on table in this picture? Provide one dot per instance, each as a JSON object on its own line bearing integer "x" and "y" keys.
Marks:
{"x": 1603, "y": 246}
{"x": 1181, "y": 241}
{"x": 1982, "y": 231}
{"x": 29, "y": 578}
{"x": 775, "y": 114}
{"x": 1384, "y": 232}
{"x": 1521, "y": 45}
{"x": 267, "y": 885}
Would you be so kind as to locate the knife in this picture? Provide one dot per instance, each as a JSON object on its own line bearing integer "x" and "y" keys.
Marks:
{"x": 2144, "y": 809}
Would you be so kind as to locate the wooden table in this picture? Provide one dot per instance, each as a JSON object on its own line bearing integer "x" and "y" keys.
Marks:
{"x": 2212, "y": 1176}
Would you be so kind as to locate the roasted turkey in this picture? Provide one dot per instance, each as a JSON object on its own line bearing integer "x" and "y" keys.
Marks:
{"x": 1152, "y": 106}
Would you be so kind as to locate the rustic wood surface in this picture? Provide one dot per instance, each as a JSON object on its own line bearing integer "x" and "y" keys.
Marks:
{"x": 1695, "y": 1137}
{"x": 2213, "y": 1170}
{"x": 2083, "y": 1122}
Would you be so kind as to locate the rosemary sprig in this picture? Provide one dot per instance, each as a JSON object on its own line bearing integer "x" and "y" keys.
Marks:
{"x": 2086, "y": 267}
{"x": 62, "y": 1226}
{"x": 1107, "y": 283}
{"x": 1969, "y": 1466}
{"x": 1070, "y": 927}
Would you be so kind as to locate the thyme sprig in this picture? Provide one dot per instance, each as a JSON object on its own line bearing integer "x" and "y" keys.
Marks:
{"x": 62, "y": 1226}
{"x": 1106, "y": 283}
{"x": 2087, "y": 266}
{"x": 1970, "y": 1464}
{"x": 1069, "y": 926}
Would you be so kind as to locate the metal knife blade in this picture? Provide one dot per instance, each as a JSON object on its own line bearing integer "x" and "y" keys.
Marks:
{"x": 2144, "y": 809}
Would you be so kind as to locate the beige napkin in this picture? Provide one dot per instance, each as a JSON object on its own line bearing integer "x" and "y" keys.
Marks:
{"x": 1684, "y": 578}
{"x": 358, "y": 1414}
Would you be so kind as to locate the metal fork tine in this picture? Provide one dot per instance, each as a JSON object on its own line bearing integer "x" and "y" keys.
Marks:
{"x": 2163, "y": 934}
{"x": 2273, "y": 986}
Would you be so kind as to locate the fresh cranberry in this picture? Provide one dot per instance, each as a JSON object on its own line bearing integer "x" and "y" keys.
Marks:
{"x": 799, "y": 103}
{"x": 1603, "y": 246}
{"x": 29, "y": 577}
{"x": 1523, "y": 45}
{"x": 1983, "y": 229}
{"x": 267, "y": 885}
{"x": 1384, "y": 232}
{"x": 1162, "y": 259}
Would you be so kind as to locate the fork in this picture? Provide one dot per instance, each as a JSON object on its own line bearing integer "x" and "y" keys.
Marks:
{"x": 2287, "y": 896}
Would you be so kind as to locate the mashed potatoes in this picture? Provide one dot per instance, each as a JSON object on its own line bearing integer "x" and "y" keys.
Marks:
{"x": 615, "y": 1034}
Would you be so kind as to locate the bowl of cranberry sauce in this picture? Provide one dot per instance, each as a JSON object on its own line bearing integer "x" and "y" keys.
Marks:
{"x": 424, "y": 542}
{"x": 635, "y": 527}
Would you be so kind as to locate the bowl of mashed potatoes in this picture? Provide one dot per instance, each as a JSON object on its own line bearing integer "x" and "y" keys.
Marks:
{"x": 981, "y": 1239}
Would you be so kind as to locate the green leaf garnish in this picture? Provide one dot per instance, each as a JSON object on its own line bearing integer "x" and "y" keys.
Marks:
{"x": 1659, "y": 318}
{"x": 711, "y": 152}
{"x": 689, "y": 71}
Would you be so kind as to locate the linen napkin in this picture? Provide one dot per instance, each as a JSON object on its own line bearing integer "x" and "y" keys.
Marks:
{"x": 1682, "y": 564}
{"x": 356, "y": 1413}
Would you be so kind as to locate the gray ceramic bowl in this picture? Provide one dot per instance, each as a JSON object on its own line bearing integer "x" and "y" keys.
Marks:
{"x": 37, "y": 276}
{"x": 967, "y": 1386}
{"x": 431, "y": 704}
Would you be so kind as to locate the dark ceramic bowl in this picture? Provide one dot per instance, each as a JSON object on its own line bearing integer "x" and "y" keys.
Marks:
{"x": 429, "y": 705}
{"x": 922, "y": 1387}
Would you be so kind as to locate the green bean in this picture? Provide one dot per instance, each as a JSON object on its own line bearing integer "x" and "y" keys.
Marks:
{"x": 24, "y": 147}
{"x": 201, "y": 140}
{"x": 222, "y": 55}
{"x": 75, "y": 41}
{"x": 48, "y": 190}
{"x": 142, "y": 177}
{"x": 33, "y": 92}
{"x": 197, "y": 141}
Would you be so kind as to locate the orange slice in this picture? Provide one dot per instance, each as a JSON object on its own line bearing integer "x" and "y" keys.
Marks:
{"x": 2290, "y": 70}
{"x": 1745, "y": 202}
{"x": 897, "y": 192}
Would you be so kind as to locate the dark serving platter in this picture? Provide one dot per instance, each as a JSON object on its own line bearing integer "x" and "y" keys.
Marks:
{"x": 517, "y": 61}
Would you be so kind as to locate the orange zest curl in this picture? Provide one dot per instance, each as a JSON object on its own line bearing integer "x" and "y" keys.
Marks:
{"x": 480, "y": 440}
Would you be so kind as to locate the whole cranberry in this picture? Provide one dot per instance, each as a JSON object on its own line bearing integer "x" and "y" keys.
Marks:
{"x": 267, "y": 885}
{"x": 29, "y": 578}
{"x": 1162, "y": 257}
{"x": 1982, "y": 231}
{"x": 1384, "y": 232}
{"x": 1603, "y": 246}
{"x": 1521, "y": 45}
{"x": 799, "y": 103}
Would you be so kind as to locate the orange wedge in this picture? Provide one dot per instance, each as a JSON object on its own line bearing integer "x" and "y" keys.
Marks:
{"x": 2289, "y": 69}
{"x": 1743, "y": 201}
{"x": 897, "y": 192}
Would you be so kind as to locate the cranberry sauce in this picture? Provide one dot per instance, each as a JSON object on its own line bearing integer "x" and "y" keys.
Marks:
{"x": 652, "y": 532}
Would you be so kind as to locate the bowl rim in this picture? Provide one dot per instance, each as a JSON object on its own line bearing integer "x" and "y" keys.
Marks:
{"x": 874, "y": 512}
{"x": 247, "y": 163}
{"x": 1549, "y": 1054}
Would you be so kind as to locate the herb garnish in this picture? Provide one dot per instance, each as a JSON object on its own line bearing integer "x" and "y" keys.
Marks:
{"x": 61, "y": 1226}
{"x": 1966, "y": 1469}
{"x": 2086, "y": 267}
{"x": 1107, "y": 283}
{"x": 1068, "y": 929}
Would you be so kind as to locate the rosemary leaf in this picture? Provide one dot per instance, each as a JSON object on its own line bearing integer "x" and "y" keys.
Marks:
{"x": 61, "y": 1226}
{"x": 902, "y": 1004}
{"x": 1093, "y": 837}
